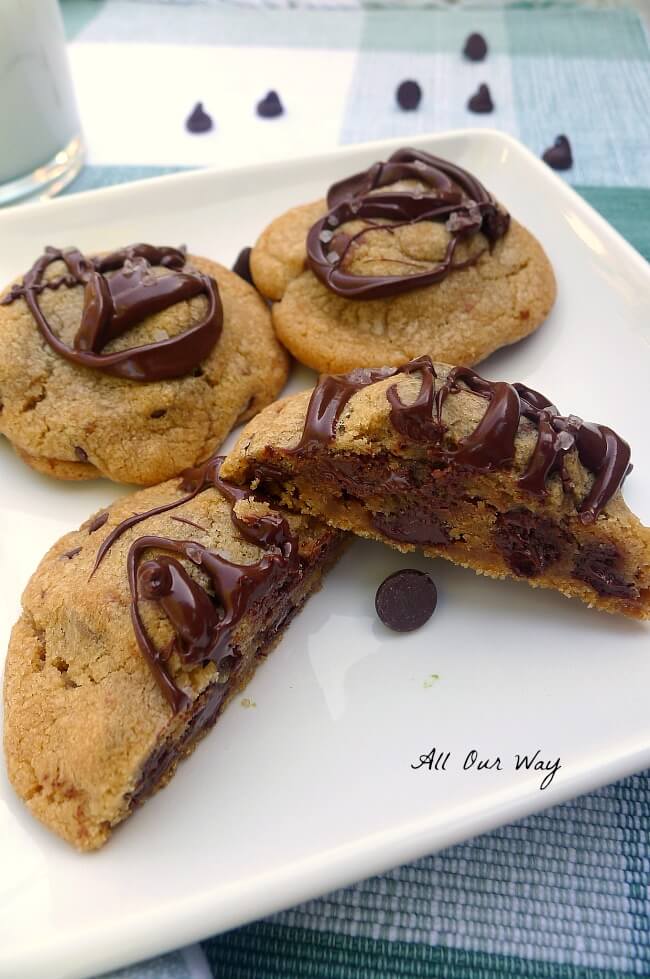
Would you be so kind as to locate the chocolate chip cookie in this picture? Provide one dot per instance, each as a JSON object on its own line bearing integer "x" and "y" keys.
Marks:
{"x": 131, "y": 365}
{"x": 413, "y": 256}
{"x": 486, "y": 474}
{"x": 136, "y": 631}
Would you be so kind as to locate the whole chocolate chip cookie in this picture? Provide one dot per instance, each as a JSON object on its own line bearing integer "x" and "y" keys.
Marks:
{"x": 414, "y": 256}
{"x": 133, "y": 364}
{"x": 136, "y": 631}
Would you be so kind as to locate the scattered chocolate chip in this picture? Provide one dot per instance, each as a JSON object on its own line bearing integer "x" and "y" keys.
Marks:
{"x": 475, "y": 47}
{"x": 270, "y": 106}
{"x": 97, "y": 522}
{"x": 242, "y": 266}
{"x": 80, "y": 453}
{"x": 481, "y": 101}
{"x": 197, "y": 372}
{"x": 559, "y": 156}
{"x": 198, "y": 120}
{"x": 408, "y": 95}
{"x": 406, "y": 600}
{"x": 71, "y": 553}
{"x": 158, "y": 413}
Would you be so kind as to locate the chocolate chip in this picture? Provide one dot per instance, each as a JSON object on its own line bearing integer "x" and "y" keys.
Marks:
{"x": 529, "y": 543}
{"x": 80, "y": 453}
{"x": 408, "y": 95}
{"x": 559, "y": 156}
{"x": 406, "y": 600}
{"x": 242, "y": 266}
{"x": 475, "y": 47}
{"x": 158, "y": 413}
{"x": 204, "y": 712}
{"x": 270, "y": 106}
{"x": 599, "y": 565}
{"x": 481, "y": 101}
{"x": 413, "y": 525}
{"x": 198, "y": 120}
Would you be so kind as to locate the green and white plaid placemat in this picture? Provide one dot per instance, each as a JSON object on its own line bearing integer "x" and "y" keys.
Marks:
{"x": 563, "y": 894}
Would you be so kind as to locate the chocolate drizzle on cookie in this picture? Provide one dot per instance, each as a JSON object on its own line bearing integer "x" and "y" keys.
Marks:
{"x": 492, "y": 443}
{"x": 328, "y": 400}
{"x": 202, "y": 618}
{"x": 599, "y": 449}
{"x": 114, "y": 303}
{"x": 415, "y": 421}
{"x": 98, "y": 522}
{"x": 451, "y": 196}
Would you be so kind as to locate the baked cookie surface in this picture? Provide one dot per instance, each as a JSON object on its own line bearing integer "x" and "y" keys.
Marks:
{"x": 77, "y": 405}
{"x": 367, "y": 278}
{"x": 486, "y": 474}
{"x": 113, "y": 675}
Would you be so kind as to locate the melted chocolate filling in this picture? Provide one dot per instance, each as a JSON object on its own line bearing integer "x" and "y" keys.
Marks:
{"x": 371, "y": 479}
{"x": 597, "y": 565}
{"x": 529, "y": 543}
{"x": 452, "y": 197}
{"x": 116, "y": 303}
{"x": 412, "y": 525}
{"x": 205, "y": 711}
{"x": 364, "y": 478}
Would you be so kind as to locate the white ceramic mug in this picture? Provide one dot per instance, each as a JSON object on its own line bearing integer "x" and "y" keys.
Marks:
{"x": 41, "y": 148}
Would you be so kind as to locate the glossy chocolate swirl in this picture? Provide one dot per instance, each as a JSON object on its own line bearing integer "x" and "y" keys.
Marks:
{"x": 203, "y": 621}
{"x": 492, "y": 443}
{"x": 330, "y": 398}
{"x": 115, "y": 303}
{"x": 452, "y": 196}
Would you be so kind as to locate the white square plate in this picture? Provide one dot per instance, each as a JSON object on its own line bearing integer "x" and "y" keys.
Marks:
{"x": 314, "y": 788}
